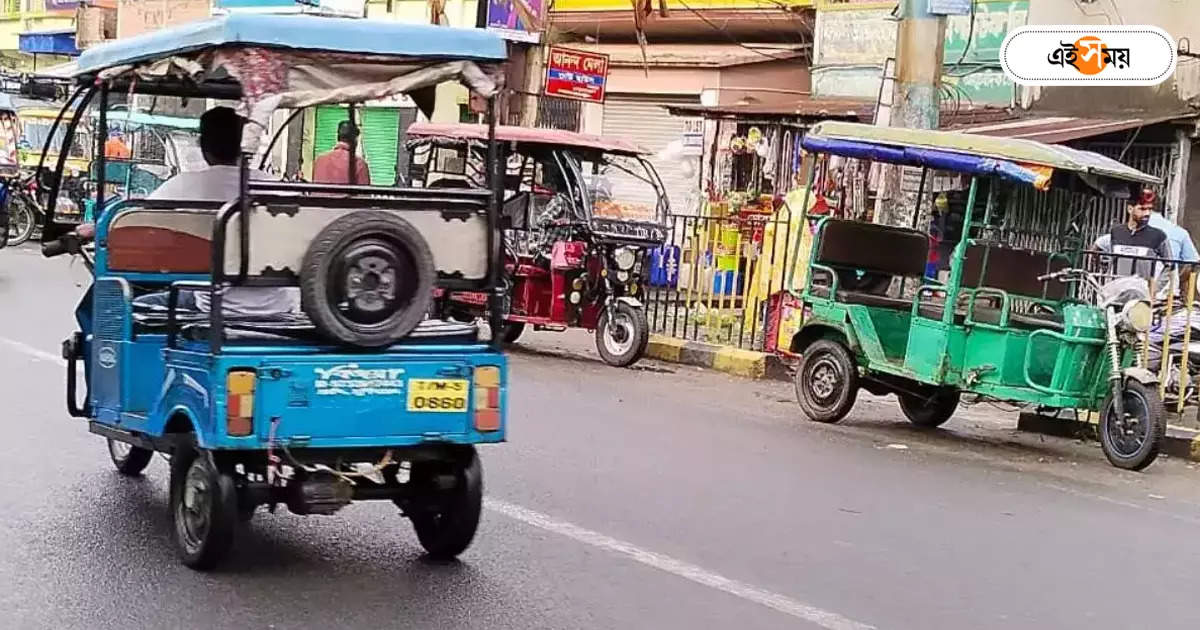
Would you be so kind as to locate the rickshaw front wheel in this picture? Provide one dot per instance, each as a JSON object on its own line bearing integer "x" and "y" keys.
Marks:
{"x": 622, "y": 339}
{"x": 130, "y": 460}
{"x": 929, "y": 411}
{"x": 204, "y": 509}
{"x": 826, "y": 381}
{"x": 1133, "y": 443}
{"x": 446, "y": 526}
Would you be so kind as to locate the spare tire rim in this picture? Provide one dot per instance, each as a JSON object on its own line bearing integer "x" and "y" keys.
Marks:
{"x": 372, "y": 279}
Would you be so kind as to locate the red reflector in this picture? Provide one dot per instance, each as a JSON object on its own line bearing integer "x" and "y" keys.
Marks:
{"x": 238, "y": 427}
{"x": 487, "y": 420}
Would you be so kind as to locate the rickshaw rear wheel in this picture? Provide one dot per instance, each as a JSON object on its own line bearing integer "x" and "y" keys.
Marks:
{"x": 130, "y": 460}
{"x": 622, "y": 342}
{"x": 826, "y": 381}
{"x": 929, "y": 411}
{"x": 367, "y": 279}
{"x": 447, "y": 525}
{"x": 1134, "y": 444}
{"x": 204, "y": 509}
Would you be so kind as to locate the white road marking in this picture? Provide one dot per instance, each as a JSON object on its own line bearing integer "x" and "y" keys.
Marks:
{"x": 678, "y": 568}
{"x": 32, "y": 351}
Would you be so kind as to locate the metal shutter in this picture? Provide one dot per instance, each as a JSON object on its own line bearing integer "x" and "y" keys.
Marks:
{"x": 380, "y": 138}
{"x": 649, "y": 124}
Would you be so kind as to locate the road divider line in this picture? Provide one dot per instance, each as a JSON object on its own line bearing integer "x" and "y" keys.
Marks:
{"x": 678, "y": 568}
{"x": 29, "y": 350}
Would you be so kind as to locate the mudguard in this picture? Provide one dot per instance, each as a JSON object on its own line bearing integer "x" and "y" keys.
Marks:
{"x": 1141, "y": 375}
{"x": 632, "y": 301}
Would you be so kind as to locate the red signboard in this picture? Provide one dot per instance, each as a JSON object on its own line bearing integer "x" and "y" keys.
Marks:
{"x": 576, "y": 74}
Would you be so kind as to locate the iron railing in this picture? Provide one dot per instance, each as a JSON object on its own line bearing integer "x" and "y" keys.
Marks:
{"x": 713, "y": 278}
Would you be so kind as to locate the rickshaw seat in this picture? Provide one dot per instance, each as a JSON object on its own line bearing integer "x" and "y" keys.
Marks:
{"x": 1012, "y": 270}
{"x": 161, "y": 242}
{"x": 881, "y": 250}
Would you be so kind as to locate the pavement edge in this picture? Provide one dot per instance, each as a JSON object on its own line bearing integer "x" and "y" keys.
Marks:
{"x": 735, "y": 361}
{"x": 1179, "y": 442}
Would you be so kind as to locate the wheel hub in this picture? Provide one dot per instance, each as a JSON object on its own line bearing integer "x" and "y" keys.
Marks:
{"x": 1128, "y": 434}
{"x": 195, "y": 505}
{"x": 824, "y": 379}
{"x": 618, "y": 337}
{"x": 371, "y": 281}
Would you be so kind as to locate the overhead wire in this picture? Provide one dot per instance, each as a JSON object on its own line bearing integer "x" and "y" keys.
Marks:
{"x": 727, "y": 35}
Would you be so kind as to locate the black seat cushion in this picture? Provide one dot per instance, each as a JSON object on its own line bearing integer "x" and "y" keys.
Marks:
{"x": 1012, "y": 270}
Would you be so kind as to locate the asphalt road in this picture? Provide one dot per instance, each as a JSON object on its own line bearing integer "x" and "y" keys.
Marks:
{"x": 663, "y": 497}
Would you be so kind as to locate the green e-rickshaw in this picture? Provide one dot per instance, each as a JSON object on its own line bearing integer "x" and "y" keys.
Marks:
{"x": 1019, "y": 317}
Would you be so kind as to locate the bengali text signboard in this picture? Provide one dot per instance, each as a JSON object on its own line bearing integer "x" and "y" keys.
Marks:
{"x": 576, "y": 74}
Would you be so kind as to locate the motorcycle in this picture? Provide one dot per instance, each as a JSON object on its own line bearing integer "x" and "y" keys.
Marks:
{"x": 26, "y": 211}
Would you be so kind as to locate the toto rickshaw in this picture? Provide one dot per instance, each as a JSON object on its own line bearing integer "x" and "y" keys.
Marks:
{"x": 1020, "y": 318}
{"x": 579, "y": 213}
{"x": 360, "y": 396}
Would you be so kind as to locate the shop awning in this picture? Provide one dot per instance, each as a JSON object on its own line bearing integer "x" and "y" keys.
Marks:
{"x": 60, "y": 42}
{"x": 1055, "y": 129}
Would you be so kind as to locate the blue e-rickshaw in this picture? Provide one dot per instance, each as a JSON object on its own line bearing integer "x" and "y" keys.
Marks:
{"x": 359, "y": 397}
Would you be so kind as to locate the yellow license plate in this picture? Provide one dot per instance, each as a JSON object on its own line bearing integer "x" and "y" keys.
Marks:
{"x": 440, "y": 395}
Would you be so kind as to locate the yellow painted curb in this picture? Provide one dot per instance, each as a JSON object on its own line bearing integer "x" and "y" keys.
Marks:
{"x": 740, "y": 362}
{"x": 665, "y": 348}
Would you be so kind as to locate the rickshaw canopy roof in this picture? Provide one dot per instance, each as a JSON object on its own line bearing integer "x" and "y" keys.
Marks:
{"x": 1009, "y": 158}
{"x": 298, "y": 32}
{"x": 269, "y": 62}
{"x": 527, "y": 135}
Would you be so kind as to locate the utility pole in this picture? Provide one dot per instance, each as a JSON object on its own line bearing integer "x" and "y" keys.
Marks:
{"x": 920, "y": 47}
{"x": 534, "y": 69}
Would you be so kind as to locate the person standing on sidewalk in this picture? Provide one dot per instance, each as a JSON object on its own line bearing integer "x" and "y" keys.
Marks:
{"x": 1137, "y": 239}
{"x": 1182, "y": 247}
{"x": 334, "y": 167}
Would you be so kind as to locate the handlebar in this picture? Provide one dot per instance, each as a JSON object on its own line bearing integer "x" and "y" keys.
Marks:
{"x": 1061, "y": 273}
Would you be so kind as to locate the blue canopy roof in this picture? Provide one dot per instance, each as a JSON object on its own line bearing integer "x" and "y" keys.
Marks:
{"x": 300, "y": 32}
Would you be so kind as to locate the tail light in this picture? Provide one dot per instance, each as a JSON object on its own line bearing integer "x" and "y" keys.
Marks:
{"x": 239, "y": 405}
{"x": 487, "y": 398}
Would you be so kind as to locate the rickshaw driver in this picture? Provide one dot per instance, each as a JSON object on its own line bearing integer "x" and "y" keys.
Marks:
{"x": 220, "y": 143}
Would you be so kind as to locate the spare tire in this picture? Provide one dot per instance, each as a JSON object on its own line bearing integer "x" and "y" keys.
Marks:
{"x": 367, "y": 279}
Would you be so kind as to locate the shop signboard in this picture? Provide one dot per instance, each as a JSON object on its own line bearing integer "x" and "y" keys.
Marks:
{"x": 576, "y": 74}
